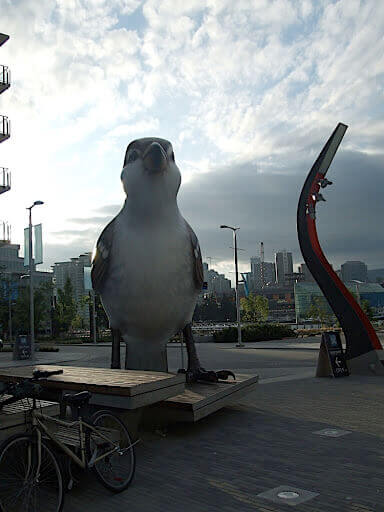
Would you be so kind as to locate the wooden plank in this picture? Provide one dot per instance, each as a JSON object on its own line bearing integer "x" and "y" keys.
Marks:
{"x": 200, "y": 400}
{"x": 199, "y": 395}
{"x": 99, "y": 380}
{"x": 136, "y": 401}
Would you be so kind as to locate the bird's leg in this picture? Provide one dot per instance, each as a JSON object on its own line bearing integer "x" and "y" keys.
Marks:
{"x": 115, "y": 361}
{"x": 195, "y": 371}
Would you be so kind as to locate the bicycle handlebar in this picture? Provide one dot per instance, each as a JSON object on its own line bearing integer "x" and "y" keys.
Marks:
{"x": 44, "y": 374}
{"x": 26, "y": 388}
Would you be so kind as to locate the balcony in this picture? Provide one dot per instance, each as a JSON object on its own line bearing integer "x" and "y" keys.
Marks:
{"x": 5, "y": 78}
{"x": 5, "y": 128}
{"x": 5, "y": 180}
{"x": 5, "y": 233}
{"x": 3, "y": 38}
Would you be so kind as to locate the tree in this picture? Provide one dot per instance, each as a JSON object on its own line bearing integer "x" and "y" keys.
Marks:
{"x": 367, "y": 308}
{"x": 254, "y": 308}
{"x": 228, "y": 309}
{"x": 42, "y": 304}
{"x": 102, "y": 318}
{"x": 66, "y": 306}
{"x": 319, "y": 309}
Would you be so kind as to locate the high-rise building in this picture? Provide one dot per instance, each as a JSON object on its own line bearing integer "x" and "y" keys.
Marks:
{"x": 262, "y": 274}
{"x": 354, "y": 270}
{"x": 283, "y": 267}
{"x": 11, "y": 264}
{"x": 306, "y": 275}
{"x": 74, "y": 271}
{"x": 5, "y": 177}
{"x": 306, "y": 293}
{"x": 217, "y": 284}
{"x": 10, "y": 261}
{"x": 376, "y": 275}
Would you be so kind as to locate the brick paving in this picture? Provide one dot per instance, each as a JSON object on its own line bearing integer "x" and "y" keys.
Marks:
{"x": 266, "y": 440}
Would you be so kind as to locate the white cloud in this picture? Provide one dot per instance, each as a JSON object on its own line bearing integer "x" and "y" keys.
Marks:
{"x": 227, "y": 82}
{"x": 136, "y": 128}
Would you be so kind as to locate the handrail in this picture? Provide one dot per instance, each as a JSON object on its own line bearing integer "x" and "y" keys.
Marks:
{"x": 5, "y": 75}
{"x": 5, "y": 125}
{"x": 5, "y": 177}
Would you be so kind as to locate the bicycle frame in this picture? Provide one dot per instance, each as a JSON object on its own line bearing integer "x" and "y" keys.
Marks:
{"x": 38, "y": 420}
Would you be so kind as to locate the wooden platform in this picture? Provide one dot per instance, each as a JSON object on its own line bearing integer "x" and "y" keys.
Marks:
{"x": 125, "y": 389}
{"x": 199, "y": 400}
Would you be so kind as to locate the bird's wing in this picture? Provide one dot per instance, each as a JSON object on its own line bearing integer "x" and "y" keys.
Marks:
{"x": 101, "y": 258}
{"x": 198, "y": 273}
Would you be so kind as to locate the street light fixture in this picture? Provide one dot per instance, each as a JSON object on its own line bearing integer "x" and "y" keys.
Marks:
{"x": 357, "y": 290}
{"x": 239, "y": 341}
{"x": 31, "y": 270}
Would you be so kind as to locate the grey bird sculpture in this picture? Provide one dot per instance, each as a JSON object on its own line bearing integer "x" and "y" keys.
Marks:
{"x": 147, "y": 265}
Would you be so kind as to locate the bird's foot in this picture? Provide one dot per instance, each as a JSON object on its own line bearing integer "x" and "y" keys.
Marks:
{"x": 202, "y": 375}
{"x": 224, "y": 374}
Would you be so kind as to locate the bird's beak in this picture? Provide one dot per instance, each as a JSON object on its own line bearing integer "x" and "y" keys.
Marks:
{"x": 155, "y": 158}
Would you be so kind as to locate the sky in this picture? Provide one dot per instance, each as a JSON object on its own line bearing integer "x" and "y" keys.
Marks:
{"x": 248, "y": 92}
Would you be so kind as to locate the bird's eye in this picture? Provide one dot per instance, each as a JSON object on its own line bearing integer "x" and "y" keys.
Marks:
{"x": 134, "y": 155}
{"x": 173, "y": 156}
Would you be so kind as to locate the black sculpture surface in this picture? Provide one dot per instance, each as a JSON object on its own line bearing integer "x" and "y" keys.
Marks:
{"x": 363, "y": 347}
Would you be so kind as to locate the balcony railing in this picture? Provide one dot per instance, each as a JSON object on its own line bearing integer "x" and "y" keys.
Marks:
{"x": 5, "y": 128}
{"x": 5, "y": 180}
{"x": 5, "y": 233}
{"x": 3, "y": 38}
{"x": 5, "y": 78}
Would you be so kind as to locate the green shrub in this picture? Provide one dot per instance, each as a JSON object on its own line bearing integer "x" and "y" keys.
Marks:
{"x": 69, "y": 341}
{"x": 48, "y": 348}
{"x": 315, "y": 332}
{"x": 41, "y": 348}
{"x": 254, "y": 332}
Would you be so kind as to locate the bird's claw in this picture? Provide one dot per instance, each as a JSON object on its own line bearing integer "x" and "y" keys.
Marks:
{"x": 202, "y": 375}
{"x": 224, "y": 374}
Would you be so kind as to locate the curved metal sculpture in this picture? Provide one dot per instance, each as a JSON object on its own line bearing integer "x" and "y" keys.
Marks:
{"x": 363, "y": 348}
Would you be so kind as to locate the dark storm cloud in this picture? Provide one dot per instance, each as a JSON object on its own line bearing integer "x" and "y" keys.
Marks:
{"x": 264, "y": 206}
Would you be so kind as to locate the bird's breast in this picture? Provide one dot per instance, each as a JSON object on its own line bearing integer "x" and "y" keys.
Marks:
{"x": 150, "y": 277}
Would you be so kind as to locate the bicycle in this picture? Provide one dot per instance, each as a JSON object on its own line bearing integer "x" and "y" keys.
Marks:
{"x": 31, "y": 478}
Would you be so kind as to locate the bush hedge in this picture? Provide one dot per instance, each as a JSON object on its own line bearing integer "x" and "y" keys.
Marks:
{"x": 315, "y": 332}
{"x": 41, "y": 348}
{"x": 254, "y": 332}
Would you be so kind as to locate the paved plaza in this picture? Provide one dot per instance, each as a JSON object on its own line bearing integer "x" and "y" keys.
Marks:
{"x": 316, "y": 443}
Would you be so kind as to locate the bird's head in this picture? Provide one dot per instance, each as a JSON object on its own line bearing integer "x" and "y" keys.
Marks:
{"x": 150, "y": 171}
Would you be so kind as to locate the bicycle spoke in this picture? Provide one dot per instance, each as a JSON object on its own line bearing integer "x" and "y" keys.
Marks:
{"x": 22, "y": 489}
{"x": 115, "y": 466}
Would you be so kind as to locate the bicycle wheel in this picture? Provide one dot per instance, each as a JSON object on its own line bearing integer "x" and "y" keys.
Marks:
{"x": 114, "y": 471}
{"x": 21, "y": 488}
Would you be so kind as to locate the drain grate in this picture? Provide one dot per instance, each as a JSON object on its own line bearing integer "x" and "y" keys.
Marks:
{"x": 288, "y": 495}
{"x": 332, "y": 432}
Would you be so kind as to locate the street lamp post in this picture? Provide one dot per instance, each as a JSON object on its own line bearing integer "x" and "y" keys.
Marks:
{"x": 239, "y": 341}
{"x": 357, "y": 290}
{"x": 31, "y": 269}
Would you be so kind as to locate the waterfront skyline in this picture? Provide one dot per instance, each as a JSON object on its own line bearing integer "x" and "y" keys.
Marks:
{"x": 247, "y": 93}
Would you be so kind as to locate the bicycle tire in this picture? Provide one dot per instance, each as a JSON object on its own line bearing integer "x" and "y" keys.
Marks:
{"x": 17, "y": 493}
{"x": 114, "y": 472}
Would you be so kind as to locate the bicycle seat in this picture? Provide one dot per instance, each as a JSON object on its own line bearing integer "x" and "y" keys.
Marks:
{"x": 77, "y": 399}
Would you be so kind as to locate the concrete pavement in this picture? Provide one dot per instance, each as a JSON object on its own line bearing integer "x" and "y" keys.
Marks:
{"x": 269, "y": 439}
{"x": 67, "y": 354}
